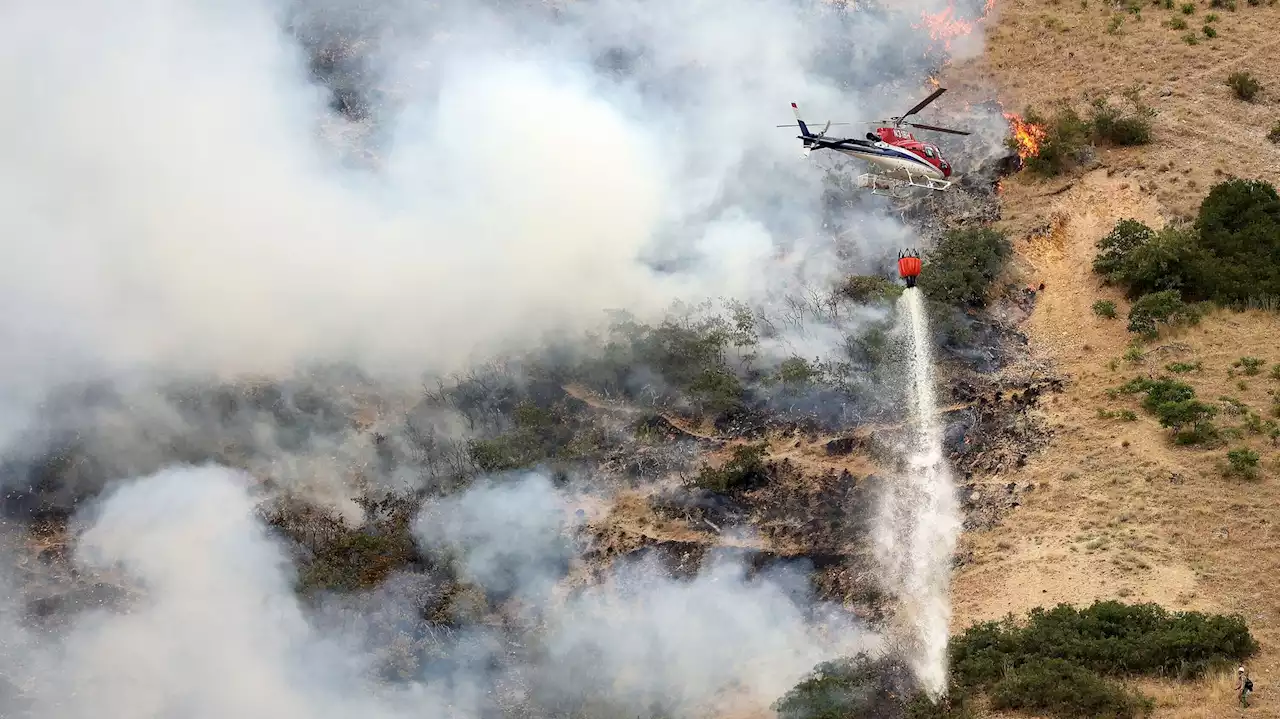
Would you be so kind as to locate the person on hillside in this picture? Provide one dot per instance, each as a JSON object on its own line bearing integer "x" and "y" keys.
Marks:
{"x": 1244, "y": 685}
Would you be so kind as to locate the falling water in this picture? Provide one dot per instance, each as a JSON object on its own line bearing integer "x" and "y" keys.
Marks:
{"x": 919, "y": 520}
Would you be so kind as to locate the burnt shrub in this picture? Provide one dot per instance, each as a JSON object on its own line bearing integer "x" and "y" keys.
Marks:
{"x": 745, "y": 469}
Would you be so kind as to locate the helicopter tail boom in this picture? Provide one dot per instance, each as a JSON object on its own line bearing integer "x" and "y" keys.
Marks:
{"x": 804, "y": 129}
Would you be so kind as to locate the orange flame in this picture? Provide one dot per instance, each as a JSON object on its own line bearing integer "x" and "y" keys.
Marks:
{"x": 1028, "y": 136}
{"x": 945, "y": 26}
{"x": 934, "y": 82}
{"x": 988, "y": 7}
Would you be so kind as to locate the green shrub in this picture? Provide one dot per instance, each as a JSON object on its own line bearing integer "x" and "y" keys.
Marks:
{"x": 1107, "y": 637}
{"x": 1112, "y": 125}
{"x": 866, "y": 289}
{"x": 1105, "y": 309}
{"x": 1209, "y": 31}
{"x": 1182, "y": 367}
{"x": 1188, "y": 8}
{"x": 1174, "y": 403}
{"x": 1144, "y": 261}
{"x": 1160, "y": 308}
{"x": 1243, "y": 462}
{"x": 745, "y": 469}
{"x": 1249, "y": 365}
{"x": 1176, "y": 23}
{"x": 963, "y": 265}
{"x": 1274, "y": 134}
{"x": 1239, "y": 242}
{"x": 1059, "y": 688}
{"x": 1065, "y": 139}
{"x": 1244, "y": 85}
{"x": 1116, "y": 248}
{"x": 1230, "y": 255}
{"x": 1060, "y": 661}
{"x": 854, "y": 687}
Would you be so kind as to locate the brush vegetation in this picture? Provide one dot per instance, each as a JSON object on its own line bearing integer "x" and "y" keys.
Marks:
{"x": 1063, "y": 662}
{"x": 1230, "y": 256}
{"x": 1069, "y": 136}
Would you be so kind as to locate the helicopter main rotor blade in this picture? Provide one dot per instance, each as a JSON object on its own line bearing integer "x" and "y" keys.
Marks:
{"x": 832, "y": 124}
{"x": 923, "y": 103}
{"x": 938, "y": 129}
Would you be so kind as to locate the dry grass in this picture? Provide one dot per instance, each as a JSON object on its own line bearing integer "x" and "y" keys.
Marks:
{"x": 1041, "y": 52}
{"x": 1125, "y": 513}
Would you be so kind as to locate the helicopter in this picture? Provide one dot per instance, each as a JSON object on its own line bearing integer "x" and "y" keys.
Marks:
{"x": 899, "y": 161}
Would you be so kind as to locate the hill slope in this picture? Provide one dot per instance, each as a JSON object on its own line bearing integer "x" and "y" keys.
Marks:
{"x": 1117, "y": 509}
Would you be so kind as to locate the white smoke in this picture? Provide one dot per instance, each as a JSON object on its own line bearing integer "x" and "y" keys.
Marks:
{"x": 217, "y": 631}
{"x": 919, "y": 521}
{"x": 171, "y": 206}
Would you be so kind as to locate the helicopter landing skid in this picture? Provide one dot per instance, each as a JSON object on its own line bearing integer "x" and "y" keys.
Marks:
{"x": 897, "y": 187}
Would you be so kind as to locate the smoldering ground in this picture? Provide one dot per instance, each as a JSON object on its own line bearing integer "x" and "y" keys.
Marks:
{"x": 217, "y": 631}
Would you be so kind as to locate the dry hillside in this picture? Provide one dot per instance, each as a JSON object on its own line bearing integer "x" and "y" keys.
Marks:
{"x": 1117, "y": 510}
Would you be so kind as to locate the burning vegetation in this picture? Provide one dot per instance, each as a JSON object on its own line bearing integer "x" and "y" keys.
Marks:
{"x": 1026, "y": 136}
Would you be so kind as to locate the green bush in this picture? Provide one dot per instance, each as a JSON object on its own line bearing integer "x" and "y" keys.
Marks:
{"x": 1144, "y": 261}
{"x": 1118, "y": 246}
{"x": 1105, "y": 309}
{"x": 853, "y": 687}
{"x": 537, "y": 434}
{"x": 1174, "y": 403}
{"x": 1182, "y": 367}
{"x": 1160, "y": 308}
{"x": 866, "y": 289}
{"x": 1244, "y": 85}
{"x": 1111, "y": 125}
{"x": 963, "y": 265}
{"x": 1243, "y": 462}
{"x": 1274, "y": 134}
{"x": 1059, "y": 688}
{"x": 1230, "y": 255}
{"x": 1042, "y": 664}
{"x": 1065, "y": 139}
{"x": 1239, "y": 235}
{"x": 1250, "y": 366}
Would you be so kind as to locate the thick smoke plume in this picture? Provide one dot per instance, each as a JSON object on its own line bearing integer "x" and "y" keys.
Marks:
{"x": 171, "y": 202}
{"x": 200, "y": 189}
{"x": 216, "y": 631}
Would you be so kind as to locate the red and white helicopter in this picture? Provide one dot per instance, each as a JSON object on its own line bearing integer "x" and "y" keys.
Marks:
{"x": 899, "y": 161}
